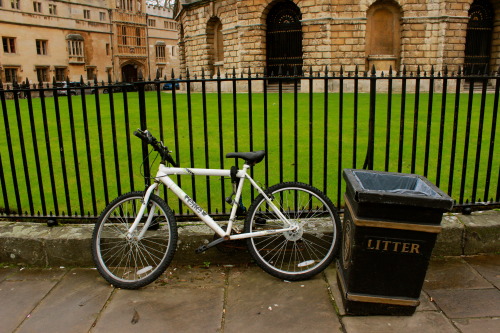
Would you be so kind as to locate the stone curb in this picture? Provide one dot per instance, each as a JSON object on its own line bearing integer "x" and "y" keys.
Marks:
{"x": 36, "y": 244}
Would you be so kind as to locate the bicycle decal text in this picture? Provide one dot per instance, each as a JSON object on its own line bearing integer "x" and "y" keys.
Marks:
{"x": 194, "y": 205}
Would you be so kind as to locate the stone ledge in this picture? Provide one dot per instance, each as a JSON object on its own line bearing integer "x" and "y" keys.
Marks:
{"x": 38, "y": 245}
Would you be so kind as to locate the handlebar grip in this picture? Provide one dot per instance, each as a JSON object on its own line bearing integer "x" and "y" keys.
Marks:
{"x": 139, "y": 134}
{"x": 145, "y": 136}
{"x": 149, "y": 139}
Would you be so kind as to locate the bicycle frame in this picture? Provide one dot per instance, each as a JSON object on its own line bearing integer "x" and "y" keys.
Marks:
{"x": 163, "y": 176}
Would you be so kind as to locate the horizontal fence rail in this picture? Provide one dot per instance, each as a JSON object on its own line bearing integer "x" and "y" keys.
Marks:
{"x": 65, "y": 152}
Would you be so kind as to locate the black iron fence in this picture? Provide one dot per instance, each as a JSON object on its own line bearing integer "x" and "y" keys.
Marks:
{"x": 65, "y": 152}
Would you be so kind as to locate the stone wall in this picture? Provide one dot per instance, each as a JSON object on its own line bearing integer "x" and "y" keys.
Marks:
{"x": 432, "y": 34}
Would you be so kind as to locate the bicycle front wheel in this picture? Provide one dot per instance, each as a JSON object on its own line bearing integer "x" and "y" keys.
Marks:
{"x": 304, "y": 252}
{"x": 131, "y": 261}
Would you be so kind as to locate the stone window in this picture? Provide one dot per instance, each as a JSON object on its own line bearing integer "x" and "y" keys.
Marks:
{"x": 160, "y": 52}
{"x": 60, "y": 73}
{"x": 9, "y": 44}
{"x": 75, "y": 48}
{"x": 124, "y": 35}
{"x": 151, "y": 23}
{"x": 52, "y": 9}
{"x": 169, "y": 25}
{"x": 125, "y": 4}
{"x": 86, "y": 14}
{"x": 91, "y": 72}
{"x": 42, "y": 74}
{"x": 37, "y": 7}
{"x": 41, "y": 47}
{"x": 14, "y": 4}
{"x": 102, "y": 16}
{"x": 383, "y": 35}
{"x": 11, "y": 74}
{"x": 138, "y": 37}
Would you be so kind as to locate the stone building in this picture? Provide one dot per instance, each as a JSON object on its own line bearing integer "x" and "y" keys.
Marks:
{"x": 46, "y": 39}
{"x": 302, "y": 34}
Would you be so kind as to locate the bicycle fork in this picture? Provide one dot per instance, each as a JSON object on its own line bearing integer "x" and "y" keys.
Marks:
{"x": 142, "y": 210}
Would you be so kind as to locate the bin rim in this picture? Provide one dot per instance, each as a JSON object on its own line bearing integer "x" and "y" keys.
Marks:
{"x": 443, "y": 202}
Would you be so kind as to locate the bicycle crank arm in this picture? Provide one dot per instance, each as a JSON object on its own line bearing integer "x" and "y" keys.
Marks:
{"x": 203, "y": 248}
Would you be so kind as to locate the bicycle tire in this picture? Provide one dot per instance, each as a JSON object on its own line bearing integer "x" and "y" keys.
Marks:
{"x": 132, "y": 263}
{"x": 295, "y": 255}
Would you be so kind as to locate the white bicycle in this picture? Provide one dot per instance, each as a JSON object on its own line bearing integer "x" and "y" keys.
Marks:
{"x": 292, "y": 229}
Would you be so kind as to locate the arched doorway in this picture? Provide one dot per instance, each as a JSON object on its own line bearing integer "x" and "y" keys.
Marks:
{"x": 129, "y": 73}
{"x": 284, "y": 39}
{"x": 478, "y": 38}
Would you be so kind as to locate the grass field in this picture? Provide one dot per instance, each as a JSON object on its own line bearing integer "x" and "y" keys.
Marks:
{"x": 239, "y": 127}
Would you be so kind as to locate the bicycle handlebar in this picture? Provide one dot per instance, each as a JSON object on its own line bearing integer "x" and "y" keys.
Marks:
{"x": 158, "y": 146}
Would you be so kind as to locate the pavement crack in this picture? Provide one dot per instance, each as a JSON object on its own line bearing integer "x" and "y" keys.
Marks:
{"x": 102, "y": 309}
{"x": 224, "y": 305}
{"x": 41, "y": 300}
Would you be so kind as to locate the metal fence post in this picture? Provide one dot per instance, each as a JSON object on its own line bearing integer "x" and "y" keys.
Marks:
{"x": 140, "y": 84}
{"x": 371, "y": 124}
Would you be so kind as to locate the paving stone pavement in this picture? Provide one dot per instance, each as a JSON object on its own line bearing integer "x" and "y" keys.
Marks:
{"x": 460, "y": 294}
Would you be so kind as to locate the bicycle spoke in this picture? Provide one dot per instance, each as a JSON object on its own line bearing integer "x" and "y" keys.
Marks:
{"x": 123, "y": 258}
{"x": 306, "y": 249}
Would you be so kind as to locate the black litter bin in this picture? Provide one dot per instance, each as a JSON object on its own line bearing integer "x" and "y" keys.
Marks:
{"x": 391, "y": 222}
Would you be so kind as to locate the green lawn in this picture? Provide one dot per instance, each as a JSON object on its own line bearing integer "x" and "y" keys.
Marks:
{"x": 310, "y": 122}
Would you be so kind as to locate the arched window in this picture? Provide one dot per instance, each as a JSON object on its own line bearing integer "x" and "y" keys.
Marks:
{"x": 218, "y": 42}
{"x": 215, "y": 41}
{"x": 383, "y": 34}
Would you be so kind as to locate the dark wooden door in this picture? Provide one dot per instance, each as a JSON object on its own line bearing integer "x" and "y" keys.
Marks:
{"x": 284, "y": 39}
{"x": 129, "y": 73}
{"x": 478, "y": 38}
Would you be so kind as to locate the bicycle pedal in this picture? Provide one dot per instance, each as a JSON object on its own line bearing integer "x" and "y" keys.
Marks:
{"x": 201, "y": 249}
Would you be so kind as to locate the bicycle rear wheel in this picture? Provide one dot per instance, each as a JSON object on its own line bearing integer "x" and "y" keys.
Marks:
{"x": 130, "y": 262}
{"x": 300, "y": 254}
